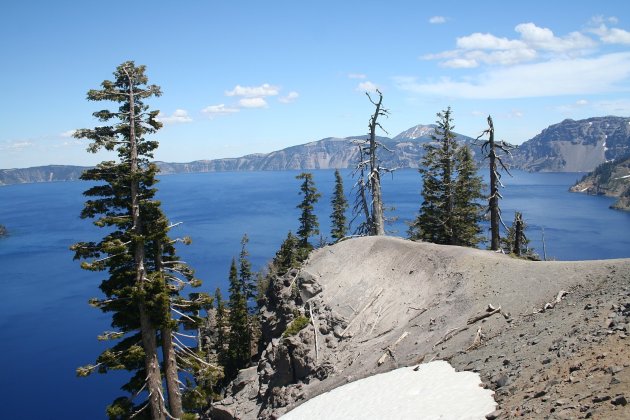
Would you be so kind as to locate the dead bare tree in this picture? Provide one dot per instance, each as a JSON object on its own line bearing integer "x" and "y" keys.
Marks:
{"x": 369, "y": 171}
{"x": 489, "y": 149}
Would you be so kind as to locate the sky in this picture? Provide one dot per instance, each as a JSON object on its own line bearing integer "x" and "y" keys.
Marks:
{"x": 242, "y": 77}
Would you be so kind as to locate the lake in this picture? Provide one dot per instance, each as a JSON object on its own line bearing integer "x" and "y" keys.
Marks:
{"x": 49, "y": 329}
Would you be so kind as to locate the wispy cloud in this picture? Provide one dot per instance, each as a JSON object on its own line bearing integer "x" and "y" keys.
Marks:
{"x": 180, "y": 116}
{"x": 367, "y": 86}
{"x": 218, "y": 110}
{"x": 253, "y": 91}
{"x": 357, "y": 76}
{"x": 67, "y": 134}
{"x": 601, "y": 74}
{"x": 435, "y": 20}
{"x": 15, "y": 146}
{"x": 252, "y": 103}
{"x": 291, "y": 97}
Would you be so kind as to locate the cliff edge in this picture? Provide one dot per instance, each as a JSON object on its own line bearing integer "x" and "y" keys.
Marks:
{"x": 550, "y": 338}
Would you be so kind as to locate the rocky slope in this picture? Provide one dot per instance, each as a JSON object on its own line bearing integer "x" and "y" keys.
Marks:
{"x": 550, "y": 338}
{"x": 611, "y": 179}
{"x": 575, "y": 146}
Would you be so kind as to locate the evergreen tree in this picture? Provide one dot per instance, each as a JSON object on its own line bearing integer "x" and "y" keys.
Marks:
{"x": 435, "y": 220}
{"x": 246, "y": 276}
{"x": 339, "y": 205}
{"x": 309, "y": 225}
{"x": 449, "y": 213}
{"x": 144, "y": 272}
{"x": 467, "y": 211}
{"x": 239, "y": 338}
{"x": 288, "y": 256}
{"x": 516, "y": 242}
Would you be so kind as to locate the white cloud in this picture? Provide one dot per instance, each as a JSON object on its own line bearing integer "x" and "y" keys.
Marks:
{"x": 611, "y": 35}
{"x": 178, "y": 117}
{"x": 67, "y": 134}
{"x": 252, "y": 103}
{"x": 367, "y": 86}
{"x": 437, "y": 19}
{"x": 253, "y": 91}
{"x": 357, "y": 76}
{"x": 581, "y": 102}
{"x": 217, "y": 110}
{"x": 534, "y": 43}
{"x": 614, "y": 107}
{"x": 569, "y": 76}
{"x": 479, "y": 41}
{"x": 15, "y": 146}
{"x": 544, "y": 39}
{"x": 291, "y": 97}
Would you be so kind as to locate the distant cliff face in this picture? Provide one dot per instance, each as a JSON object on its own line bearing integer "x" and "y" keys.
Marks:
{"x": 49, "y": 173}
{"x": 575, "y": 146}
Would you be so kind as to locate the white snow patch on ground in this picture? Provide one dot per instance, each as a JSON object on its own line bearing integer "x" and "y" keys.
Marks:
{"x": 623, "y": 177}
{"x": 434, "y": 391}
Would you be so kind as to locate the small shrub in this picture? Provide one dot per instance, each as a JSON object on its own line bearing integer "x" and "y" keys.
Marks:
{"x": 296, "y": 326}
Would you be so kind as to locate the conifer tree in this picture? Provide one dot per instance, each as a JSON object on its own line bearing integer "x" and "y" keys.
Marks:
{"x": 288, "y": 256}
{"x": 449, "y": 213}
{"x": 246, "y": 276}
{"x": 239, "y": 338}
{"x": 516, "y": 242}
{"x": 309, "y": 225}
{"x": 144, "y": 272}
{"x": 339, "y": 205}
{"x": 467, "y": 210}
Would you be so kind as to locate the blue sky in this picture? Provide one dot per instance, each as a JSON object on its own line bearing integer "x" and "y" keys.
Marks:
{"x": 242, "y": 77}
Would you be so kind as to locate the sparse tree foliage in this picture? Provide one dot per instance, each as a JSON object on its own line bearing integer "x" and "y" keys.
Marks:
{"x": 450, "y": 213}
{"x": 368, "y": 173}
{"x": 144, "y": 272}
{"x": 516, "y": 242}
{"x": 339, "y": 206}
{"x": 489, "y": 149}
{"x": 309, "y": 225}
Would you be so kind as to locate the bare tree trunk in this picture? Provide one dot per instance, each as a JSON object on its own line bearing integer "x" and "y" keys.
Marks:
{"x": 378, "y": 219}
{"x": 148, "y": 332}
{"x": 494, "y": 192}
{"x": 518, "y": 234}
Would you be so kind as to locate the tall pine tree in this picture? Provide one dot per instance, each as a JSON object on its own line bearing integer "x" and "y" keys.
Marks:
{"x": 239, "y": 338}
{"x": 144, "y": 272}
{"x": 339, "y": 205}
{"x": 467, "y": 210}
{"x": 309, "y": 225}
{"x": 449, "y": 213}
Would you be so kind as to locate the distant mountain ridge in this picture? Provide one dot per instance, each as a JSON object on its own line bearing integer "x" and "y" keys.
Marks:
{"x": 575, "y": 146}
{"x": 569, "y": 146}
{"x": 405, "y": 151}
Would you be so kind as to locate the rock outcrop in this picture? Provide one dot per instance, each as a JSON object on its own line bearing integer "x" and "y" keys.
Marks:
{"x": 611, "y": 179}
{"x": 378, "y": 303}
{"x": 575, "y": 146}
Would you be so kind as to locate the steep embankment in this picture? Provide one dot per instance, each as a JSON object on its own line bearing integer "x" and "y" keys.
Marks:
{"x": 611, "y": 179}
{"x": 575, "y": 146}
{"x": 378, "y": 303}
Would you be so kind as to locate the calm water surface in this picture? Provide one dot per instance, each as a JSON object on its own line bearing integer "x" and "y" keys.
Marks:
{"x": 49, "y": 330}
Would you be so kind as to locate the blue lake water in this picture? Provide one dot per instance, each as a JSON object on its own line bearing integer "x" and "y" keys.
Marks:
{"x": 49, "y": 329}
